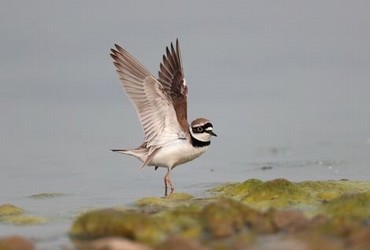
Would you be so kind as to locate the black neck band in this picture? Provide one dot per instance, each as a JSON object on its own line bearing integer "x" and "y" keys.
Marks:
{"x": 199, "y": 144}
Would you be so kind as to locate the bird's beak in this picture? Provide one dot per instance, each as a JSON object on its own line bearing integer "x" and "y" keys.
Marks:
{"x": 212, "y": 133}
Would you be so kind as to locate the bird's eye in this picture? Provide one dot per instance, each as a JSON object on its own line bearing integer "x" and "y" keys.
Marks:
{"x": 200, "y": 129}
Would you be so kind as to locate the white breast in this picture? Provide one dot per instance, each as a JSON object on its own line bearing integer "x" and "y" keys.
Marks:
{"x": 176, "y": 153}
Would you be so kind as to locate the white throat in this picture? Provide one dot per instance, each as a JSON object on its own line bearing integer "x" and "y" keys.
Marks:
{"x": 203, "y": 137}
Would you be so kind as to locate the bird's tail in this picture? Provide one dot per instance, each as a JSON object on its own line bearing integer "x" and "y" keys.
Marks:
{"x": 122, "y": 151}
{"x": 139, "y": 153}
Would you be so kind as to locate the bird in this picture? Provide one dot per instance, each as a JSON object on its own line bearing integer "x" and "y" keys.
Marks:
{"x": 161, "y": 106}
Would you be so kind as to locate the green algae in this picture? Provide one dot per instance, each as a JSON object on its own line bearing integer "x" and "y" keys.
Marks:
{"x": 226, "y": 217}
{"x": 9, "y": 210}
{"x": 276, "y": 193}
{"x": 114, "y": 222}
{"x": 155, "y": 204}
{"x": 353, "y": 206}
{"x": 281, "y": 193}
{"x": 15, "y": 215}
{"x": 238, "y": 215}
{"x": 23, "y": 220}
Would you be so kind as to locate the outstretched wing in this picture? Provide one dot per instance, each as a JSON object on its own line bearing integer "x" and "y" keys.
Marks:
{"x": 153, "y": 105}
{"x": 171, "y": 76}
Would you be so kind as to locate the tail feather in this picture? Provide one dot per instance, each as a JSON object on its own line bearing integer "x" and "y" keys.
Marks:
{"x": 122, "y": 151}
{"x": 139, "y": 153}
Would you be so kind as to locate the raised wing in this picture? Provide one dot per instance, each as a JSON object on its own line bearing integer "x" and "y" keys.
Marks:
{"x": 153, "y": 105}
{"x": 171, "y": 76}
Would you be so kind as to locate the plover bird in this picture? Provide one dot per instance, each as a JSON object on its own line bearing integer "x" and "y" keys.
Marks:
{"x": 161, "y": 105}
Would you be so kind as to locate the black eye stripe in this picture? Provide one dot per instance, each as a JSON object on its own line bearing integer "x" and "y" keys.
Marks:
{"x": 207, "y": 125}
{"x": 201, "y": 129}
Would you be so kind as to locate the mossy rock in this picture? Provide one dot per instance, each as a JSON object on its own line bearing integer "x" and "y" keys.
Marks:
{"x": 15, "y": 215}
{"x": 23, "y": 219}
{"x": 114, "y": 222}
{"x": 226, "y": 217}
{"x": 281, "y": 193}
{"x": 353, "y": 206}
{"x": 152, "y": 205}
{"x": 332, "y": 213}
{"x": 9, "y": 209}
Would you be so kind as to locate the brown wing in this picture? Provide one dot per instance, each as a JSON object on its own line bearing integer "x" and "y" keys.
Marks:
{"x": 153, "y": 105}
{"x": 171, "y": 76}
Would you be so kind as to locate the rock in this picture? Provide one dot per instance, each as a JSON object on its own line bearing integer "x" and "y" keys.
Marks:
{"x": 289, "y": 220}
{"x": 15, "y": 243}
{"x": 226, "y": 217}
{"x": 9, "y": 209}
{"x": 156, "y": 204}
{"x": 181, "y": 243}
{"x": 14, "y": 215}
{"x": 354, "y": 206}
{"x": 112, "y": 222}
{"x": 360, "y": 239}
{"x": 276, "y": 214}
{"x": 111, "y": 243}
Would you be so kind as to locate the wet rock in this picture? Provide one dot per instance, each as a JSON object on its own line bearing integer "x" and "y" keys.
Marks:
{"x": 276, "y": 214}
{"x": 354, "y": 206}
{"x": 278, "y": 193}
{"x": 156, "y": 204}
{"x": 9, "y": 209}
{"x": 281, "y": 193}
{"x": 181, "y": 243}
{"x": 184, "y": 221}
{"x": 111, "y": 243}
{"x": 317, "y": 241}
{"x": 290, "y": 220}
{"x": 14, "y": 215}
{"x": 15, "y": 243}
{"x": 23, "y": 220}
{"x": 360, "y": 239}
{"x": 279, "y": 243}
{"x": 112, "y": 222}
{"x": 226, "y": 217}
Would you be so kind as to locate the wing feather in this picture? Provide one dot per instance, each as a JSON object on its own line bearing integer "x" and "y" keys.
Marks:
{"x": 171, "y": 76}
{"x": 153, "y": 105}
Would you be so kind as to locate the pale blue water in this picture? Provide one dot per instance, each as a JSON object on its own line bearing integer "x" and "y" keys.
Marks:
{"x": 286, "y": 86}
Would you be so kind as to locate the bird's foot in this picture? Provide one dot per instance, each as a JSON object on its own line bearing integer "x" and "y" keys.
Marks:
{"x": 167, "y": 182}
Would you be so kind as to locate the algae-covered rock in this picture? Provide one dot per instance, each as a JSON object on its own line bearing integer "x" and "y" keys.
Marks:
{"x": 353, "y": 206}
{"x": 15, "y": 215}
{"x": 184, "y": 221}
{"x": 276, "y": 214}
{"x": 281, "y": 193}
{"x": 23, "y": 219}
{"x": 113, "y": 222}
{"x": 9, "y": 209}
{"x": 226, "y": 217}
{"x": 277, "y": 193}
{"x": 156, "y": 204}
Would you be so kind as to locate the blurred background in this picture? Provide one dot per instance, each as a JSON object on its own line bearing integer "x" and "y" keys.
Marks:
{"x": 285, "y": 84}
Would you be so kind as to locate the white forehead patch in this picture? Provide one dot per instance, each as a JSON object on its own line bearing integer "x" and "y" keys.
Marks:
{"x": 209, "y": 129}
{"x": 184, "y": 82}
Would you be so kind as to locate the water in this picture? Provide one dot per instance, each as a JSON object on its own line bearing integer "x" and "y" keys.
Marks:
{"x": 286, "y": 86}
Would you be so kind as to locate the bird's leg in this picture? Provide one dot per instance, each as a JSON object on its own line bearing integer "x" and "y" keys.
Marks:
{"x": 167, "y": 181}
